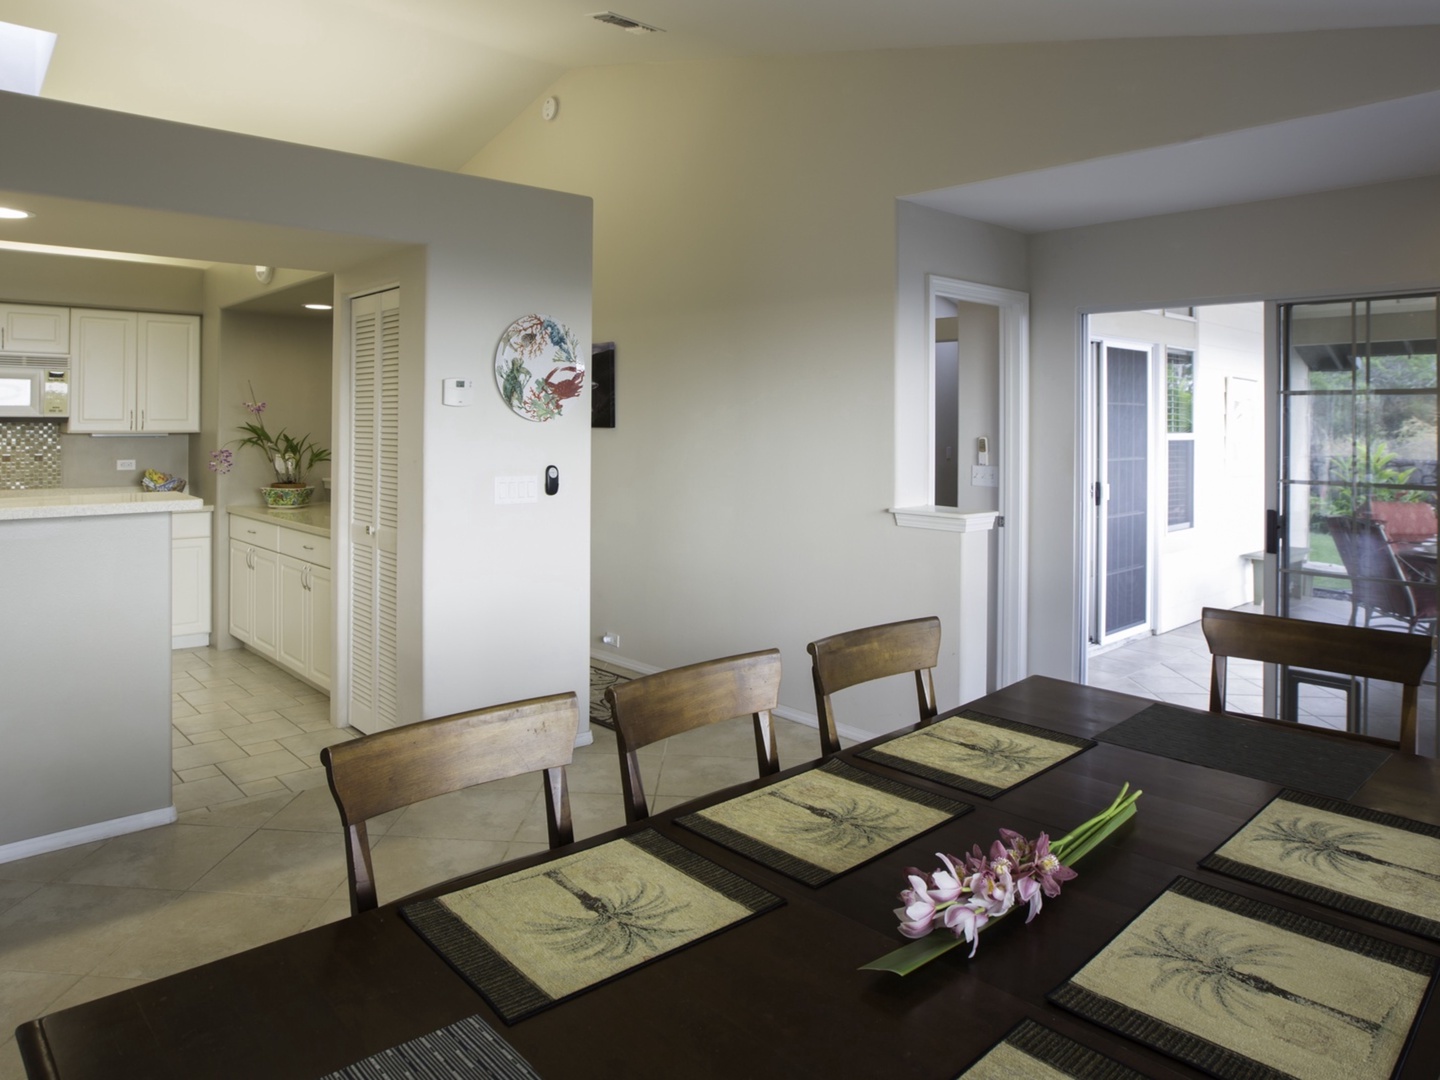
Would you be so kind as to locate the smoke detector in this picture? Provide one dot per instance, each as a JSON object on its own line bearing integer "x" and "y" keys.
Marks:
{"x": 624, "y": 22}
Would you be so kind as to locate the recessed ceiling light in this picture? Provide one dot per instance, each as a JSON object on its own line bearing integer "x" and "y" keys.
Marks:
{"x": 319, "y": 307}
{"x": 13, "y": 214}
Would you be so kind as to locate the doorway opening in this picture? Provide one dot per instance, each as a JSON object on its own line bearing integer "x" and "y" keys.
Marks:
{"x": 1174, "y": 460}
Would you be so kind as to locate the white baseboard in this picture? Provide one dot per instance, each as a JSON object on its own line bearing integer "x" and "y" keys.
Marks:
{"x": 799, "y": 716}
{"x": 190, "y": 641}
{"x": 86, "y": 834}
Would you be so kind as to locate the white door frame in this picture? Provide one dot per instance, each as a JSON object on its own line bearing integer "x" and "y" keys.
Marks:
{"x": 1011, "y": 656}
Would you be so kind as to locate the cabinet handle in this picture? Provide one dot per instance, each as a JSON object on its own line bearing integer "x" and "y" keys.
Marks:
{"x": 307, "y": 579}
{"x": 142, "y": 419}
{"x": 307, "y": 547}
{"x": 132, "y": 419}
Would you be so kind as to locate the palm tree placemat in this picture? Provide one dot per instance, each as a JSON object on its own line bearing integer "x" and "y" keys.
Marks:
{"x": 1242, "y": 989}
{"x": 1269, "y": 752}
{"x": 600, "y": 681}
{"x": 537, "y": 936}
{"x": 1033, "y": 1050}
{"x": 984, "y": 755}
{"x": 1378, "y": 866}
{"x": 818, "y": 824}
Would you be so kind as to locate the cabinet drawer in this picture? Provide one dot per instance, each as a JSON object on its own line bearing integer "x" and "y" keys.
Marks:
{"x": 249, "y": 531}
{"x": 185, "y": 526}
{"x": 307, "y": 547}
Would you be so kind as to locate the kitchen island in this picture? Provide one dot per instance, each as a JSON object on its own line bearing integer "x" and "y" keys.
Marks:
{"x": 85, "y": 637}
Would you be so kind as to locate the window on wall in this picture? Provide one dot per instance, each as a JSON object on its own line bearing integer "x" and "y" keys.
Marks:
{"x": 1180, "y": 436}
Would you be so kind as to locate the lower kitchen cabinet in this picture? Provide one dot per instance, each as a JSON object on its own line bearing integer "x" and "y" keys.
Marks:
{"x": 281, "y": 598}
{"x": 254, "y": 596}
{"x": 190, "y": 579}
{"x": 306, "y": 598}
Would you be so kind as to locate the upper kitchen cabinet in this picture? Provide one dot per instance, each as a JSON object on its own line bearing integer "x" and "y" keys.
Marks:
{"x": 30, "y": 330}
{"x": 134, "y": 371}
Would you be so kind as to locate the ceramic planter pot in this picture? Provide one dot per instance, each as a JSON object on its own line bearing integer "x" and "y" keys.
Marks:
{"x": 287, "y": 496}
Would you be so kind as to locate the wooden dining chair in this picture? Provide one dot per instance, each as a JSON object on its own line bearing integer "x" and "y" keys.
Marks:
{"x": 1355, "y": 651}
{"x": 874, "y": 652}
{"x": 654, "y": 707}
{"x": 378, "y": 773}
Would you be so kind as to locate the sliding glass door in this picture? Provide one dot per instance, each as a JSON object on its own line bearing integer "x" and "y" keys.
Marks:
{"x": 1356, "y": 533}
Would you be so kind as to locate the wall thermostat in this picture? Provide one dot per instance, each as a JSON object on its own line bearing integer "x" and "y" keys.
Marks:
{"x": 457, "y": 392}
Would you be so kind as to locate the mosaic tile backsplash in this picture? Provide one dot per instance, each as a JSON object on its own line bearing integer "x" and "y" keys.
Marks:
{"x": 29, "y": 454}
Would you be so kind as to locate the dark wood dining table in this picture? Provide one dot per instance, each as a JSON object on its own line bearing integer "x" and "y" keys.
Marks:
{"x": 779, "y": 995}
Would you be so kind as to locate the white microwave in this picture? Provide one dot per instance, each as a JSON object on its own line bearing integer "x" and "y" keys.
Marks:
{"x": 34, "y": 388}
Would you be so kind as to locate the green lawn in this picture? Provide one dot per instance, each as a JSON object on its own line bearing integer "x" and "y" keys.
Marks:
{"x": 1323, "y": 550}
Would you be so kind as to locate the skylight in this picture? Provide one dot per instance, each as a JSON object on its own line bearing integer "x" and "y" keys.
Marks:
{"x": 24, "y": 58}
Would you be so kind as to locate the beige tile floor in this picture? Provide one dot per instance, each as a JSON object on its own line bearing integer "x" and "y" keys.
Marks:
{"x": 256, "y": 852}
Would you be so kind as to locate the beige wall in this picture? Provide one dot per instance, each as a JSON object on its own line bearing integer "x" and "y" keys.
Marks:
{"x": 746, "y": 267}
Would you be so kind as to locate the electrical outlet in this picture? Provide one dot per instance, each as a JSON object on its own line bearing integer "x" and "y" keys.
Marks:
{"x": 610, "y": 638}
{"x": 126, "y": 464}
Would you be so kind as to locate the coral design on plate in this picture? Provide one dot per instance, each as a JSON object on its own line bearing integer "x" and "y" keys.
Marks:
{"x": 538, "y": 367}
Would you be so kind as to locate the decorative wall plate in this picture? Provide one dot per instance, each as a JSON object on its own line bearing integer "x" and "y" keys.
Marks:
{"x": 538, "y": 367}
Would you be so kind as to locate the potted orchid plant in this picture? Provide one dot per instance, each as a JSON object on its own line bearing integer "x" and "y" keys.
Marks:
{"x": 290, "y": 456}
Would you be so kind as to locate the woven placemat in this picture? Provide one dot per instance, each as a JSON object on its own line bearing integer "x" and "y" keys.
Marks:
{"x": 975, "y": 752}
{"x": 1034, "y": 1050}
{"x": 1375, "y": 865}
{"x": 818, "y": 824}
{"x": 1247, "y": 991}
{"x": 468, "y": 1048}
{"x": 1269, "y": 752}
{"x": 550, "y": 931}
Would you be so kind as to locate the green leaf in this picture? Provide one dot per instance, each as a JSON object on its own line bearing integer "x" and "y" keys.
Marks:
{"x": 905, "y": 960}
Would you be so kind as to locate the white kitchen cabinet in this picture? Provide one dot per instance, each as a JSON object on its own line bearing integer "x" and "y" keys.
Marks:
{"x": 33, "y": 330}
{"x": 134, "y": 371}
{"x": 190, "y": 580}
{"x": 281, "y": 596}
{"x": 254, "y": 597}
{"x": 305, "y": 604}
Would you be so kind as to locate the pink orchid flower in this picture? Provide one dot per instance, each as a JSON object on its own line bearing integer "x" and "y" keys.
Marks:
{"x": 966, "y": 920}
{"x": 918, "y": 913}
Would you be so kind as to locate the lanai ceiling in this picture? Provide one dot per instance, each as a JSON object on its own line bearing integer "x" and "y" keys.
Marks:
{"x": 431, "y": 81}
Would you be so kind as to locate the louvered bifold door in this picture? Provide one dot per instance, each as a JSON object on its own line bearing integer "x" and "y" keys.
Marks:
{"x": 374, "y": 510}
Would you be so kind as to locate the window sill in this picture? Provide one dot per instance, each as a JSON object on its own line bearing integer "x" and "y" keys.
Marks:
{"x": 944, "y": 519}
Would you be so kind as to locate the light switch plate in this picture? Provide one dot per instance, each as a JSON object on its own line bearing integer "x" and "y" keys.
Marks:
{"x": 984, "y": 476}
{"x": 516, "y": 489}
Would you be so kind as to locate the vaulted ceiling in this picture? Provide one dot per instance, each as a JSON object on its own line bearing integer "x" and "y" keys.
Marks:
{"x": 431, "y": 81}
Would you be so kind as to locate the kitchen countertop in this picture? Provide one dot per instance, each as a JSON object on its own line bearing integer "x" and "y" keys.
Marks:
{"x": 311, "y": 519}
{"x": 33, "y": 503}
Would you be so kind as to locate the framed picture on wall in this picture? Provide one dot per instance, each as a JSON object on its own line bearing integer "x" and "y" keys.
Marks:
{"x": 602, "y": 384}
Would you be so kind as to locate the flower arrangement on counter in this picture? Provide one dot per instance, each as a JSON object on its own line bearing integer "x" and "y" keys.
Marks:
{"x": 970, "y": 891}
{"x": 289, "y": 456}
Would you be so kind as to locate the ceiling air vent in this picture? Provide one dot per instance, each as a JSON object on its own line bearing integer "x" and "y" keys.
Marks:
{"x": 625, "y": 23}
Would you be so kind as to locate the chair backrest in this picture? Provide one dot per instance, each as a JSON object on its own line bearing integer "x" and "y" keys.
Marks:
{"x": 1357, "y": 651}
{"x": 654, "y": 707}
{"x": 874, "y": 652}
{"x": 378, "y": 773}
{"x": 1376, "y": 581}
{"x": 1405, "y": 522}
